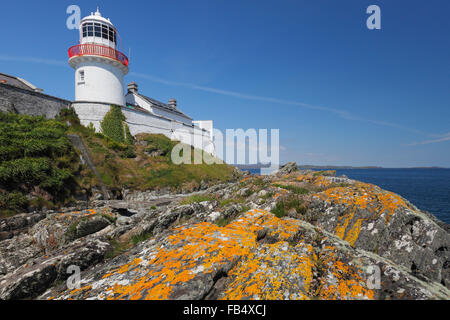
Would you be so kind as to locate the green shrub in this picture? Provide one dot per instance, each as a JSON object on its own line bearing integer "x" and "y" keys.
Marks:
{"x": 69, "y": 115}
{"x": 116, "y": 146}
{"x": 35, "y": 152}
{"x": 128, "y": 153}
{"x": 128, "y": 137}
{"x": 159, "y": 142}
{"x": 91, "y": 128}
{"x": 14, "y": 201}
{"x": 114, "y": 126}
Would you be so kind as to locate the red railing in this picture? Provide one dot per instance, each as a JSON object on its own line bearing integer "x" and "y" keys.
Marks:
{"x": 92, "y": 49}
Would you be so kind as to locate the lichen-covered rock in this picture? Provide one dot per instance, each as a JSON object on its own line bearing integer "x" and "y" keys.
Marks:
{"x": 62, "y": 228}
{"x": 16, "y": 252}
{"x": 382, "y": 222}
{"x": 258, "y": 256}
{"x": 272, "y": 272}
{"x": 33, "y": 260}
{"x": 327, "y": 238}
{"x": 30, "y": 280}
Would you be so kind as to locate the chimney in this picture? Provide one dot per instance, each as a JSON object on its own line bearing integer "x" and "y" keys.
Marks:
{"x": 172, "y": 103}
{"x": 133, "y": 87}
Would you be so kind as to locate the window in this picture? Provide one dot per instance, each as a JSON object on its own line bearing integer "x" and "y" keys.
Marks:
{"x": 105, "y": 32}
{"x": 81, "y": 76}
{"x": 90, "y": 29}
{"x": 99, "y": 30}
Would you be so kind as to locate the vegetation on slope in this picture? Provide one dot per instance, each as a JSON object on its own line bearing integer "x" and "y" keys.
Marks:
{"x": 143, "y": 162}
{"x": 151, "y": 167}
{"x": 40, "y": 167}
{"x": 37, "y": 163}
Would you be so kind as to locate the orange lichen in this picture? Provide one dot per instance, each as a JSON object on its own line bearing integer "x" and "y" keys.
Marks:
{"x": 318, "y": 181}
{"x": 244, "y": 179}
{"x": 341, "y": 281}
{"x": 84, "y": 288}
{"x": 259, "y": 275}
{"x": 361, "y": 196}
{"x": 278, "y": 194}
{"x": 263, "y": 271}
{"x": 203, "y": 246}
{"x": 199, "y": 248}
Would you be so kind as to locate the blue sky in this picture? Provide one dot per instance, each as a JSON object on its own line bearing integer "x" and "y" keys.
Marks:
{"x": 339, "y": 93}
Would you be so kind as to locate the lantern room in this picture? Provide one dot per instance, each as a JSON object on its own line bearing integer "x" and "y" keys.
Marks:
{"x": 96, "y": 29}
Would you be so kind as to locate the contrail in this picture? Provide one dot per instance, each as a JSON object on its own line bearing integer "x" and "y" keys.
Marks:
{"x": 443, "y": 138}
{"x": 33, "y": 60}
{"x": 341, "y": 113}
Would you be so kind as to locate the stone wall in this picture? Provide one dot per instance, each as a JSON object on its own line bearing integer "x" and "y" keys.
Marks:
{"x": 30, "y": 102}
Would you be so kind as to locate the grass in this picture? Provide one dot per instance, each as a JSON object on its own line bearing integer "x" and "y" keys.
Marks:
{"x": 140, "y": 171}
{"x": 287, "y": 203}
{"x": 117, "y": 248}
{"x": 293, "y": 189}
{"x": 222, "y": 222}
{"x": 268, "y": 195}
{"x": 198, "y": 198}
{"x": 236, "y": 200}
{"x": 140, "y": 238}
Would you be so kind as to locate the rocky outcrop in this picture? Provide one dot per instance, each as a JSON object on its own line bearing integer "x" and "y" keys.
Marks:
{"x": 86, "y": 159}
{"x": 382, "y": 222}
{"x": 288, "y": 168}
{"x": 299, "y": 235}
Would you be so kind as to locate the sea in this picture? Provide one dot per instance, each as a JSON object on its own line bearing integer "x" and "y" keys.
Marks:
{"x": 427, "y": 188}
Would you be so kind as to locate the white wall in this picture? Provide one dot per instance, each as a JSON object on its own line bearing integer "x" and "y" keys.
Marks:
{"x": 206, "y": 125}
{"x": 140, "y": 122}
{"x": 102, "y": 82}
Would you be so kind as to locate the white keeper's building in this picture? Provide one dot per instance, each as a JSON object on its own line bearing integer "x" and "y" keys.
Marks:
{"x": 100, "y": 69}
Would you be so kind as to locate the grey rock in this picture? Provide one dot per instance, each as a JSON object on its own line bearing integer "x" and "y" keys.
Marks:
{"x": 122, "y": 221}
{"x": 287, "y": 168}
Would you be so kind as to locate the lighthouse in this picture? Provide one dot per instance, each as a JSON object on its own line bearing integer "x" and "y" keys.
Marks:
{"x": 99, "y": 66}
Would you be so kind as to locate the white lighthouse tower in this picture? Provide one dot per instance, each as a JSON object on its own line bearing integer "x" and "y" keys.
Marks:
{"x": 99, "y": 69}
